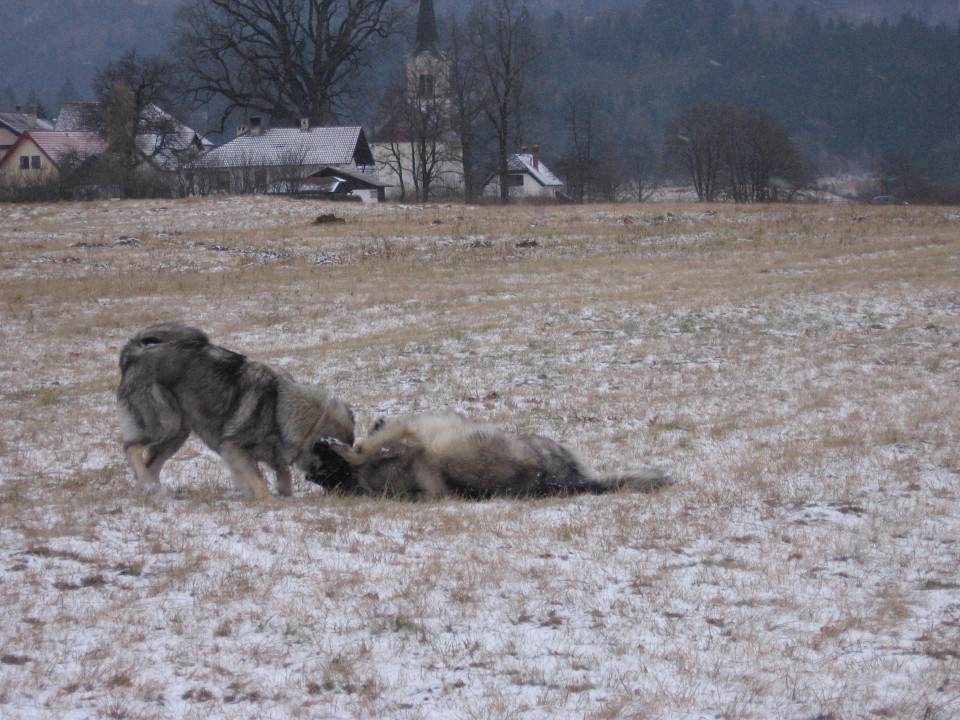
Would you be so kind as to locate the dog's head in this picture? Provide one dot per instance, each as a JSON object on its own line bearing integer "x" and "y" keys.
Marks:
{"x": 385, "y": 462}
{"x": 329, "y": 469}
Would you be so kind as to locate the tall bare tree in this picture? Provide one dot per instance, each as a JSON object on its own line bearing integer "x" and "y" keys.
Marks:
{"x": 745, "y": 154}
{"x": 586, "y": 163}
{"x": 694, "y": 146}
{"x": 506, "y": 50}
{"x": 283, "y": 59}
{"x": 130, "y": 94}
{"x": 640, "y": 167}
{"x": 419, "y": 146}
{"x": 466, "y": 106}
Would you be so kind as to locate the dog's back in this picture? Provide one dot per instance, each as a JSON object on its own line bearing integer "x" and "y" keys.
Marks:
{"x": 174, "y": 381}
{"x": 159, "y": 334}
{"x": 445, "y": 452}
{"x": 474, "y": 459}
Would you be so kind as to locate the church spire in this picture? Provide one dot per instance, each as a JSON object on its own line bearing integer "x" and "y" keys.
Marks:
{"x": 427, "y": 36}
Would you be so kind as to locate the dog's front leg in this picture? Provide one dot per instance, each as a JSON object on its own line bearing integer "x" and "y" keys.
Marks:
{"x": 246, "y": 474}
{"x": 284, "y": 480}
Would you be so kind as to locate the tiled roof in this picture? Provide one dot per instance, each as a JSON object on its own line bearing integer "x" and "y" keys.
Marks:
{"x": 57, "y": 144}
{"x": 163, "y": 148}
{"x": 523, "y": 163}
{"x": 286, "y": 146}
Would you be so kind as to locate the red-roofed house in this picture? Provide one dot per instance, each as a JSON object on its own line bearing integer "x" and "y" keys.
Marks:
{"x": 45, "y": 158}
{"x": 15, "y": 124}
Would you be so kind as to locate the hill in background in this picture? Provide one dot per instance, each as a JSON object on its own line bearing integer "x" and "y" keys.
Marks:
{"x": 50, "y": 49}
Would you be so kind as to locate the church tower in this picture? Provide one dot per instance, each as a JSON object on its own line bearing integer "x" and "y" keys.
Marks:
{"x": 417, "y": 150}
{"x": 427, "y": 68}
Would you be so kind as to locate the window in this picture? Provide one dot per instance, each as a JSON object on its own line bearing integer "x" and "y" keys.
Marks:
{"x": 35, "y": 162}
{"x": 426, "y": 86}
{"x": 24, "y": 162}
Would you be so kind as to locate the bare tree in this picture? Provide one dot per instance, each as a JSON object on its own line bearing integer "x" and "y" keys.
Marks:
{"x": 420, "y": 145}
{"x": 744, "y": 153}
{"x": 284, "y": 59}
{"x": 640, "y": 169}
{"x": 396, "y": 155}
{"x": 586, "y": 127}
{"x": 505, "y": 49}
{"x": 694, "y": 146}
{"x": 288, "y": 175}
{"x": 130, "y": 93}
{"x": 466, "y": 106}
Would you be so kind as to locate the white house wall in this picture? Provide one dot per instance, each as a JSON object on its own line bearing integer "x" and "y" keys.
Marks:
{"x": 449, "y": 172}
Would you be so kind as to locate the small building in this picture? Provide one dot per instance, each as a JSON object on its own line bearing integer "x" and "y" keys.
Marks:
{"x": 46, "y": 158}
{"x": 528, "y": 178}
{"x": 263, "y": 160}
{"x": 14, "y": 124}
{"x": 342, "y": 181}
{"x": 167, "y": 145}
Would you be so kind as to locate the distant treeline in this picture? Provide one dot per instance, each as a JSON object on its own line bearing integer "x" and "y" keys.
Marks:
{"x": 869, "y": 95}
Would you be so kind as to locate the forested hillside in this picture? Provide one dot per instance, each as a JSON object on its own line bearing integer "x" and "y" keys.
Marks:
{"x": 876, "y": 93}
{"x": 858, "y": 83}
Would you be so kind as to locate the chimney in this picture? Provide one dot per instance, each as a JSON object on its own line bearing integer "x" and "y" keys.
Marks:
{"x": 536, "y": 157}
{"x": 524, "y": 149}
{"x": 255, "y": 127}
{"x": 241, "y": 129}
{"x": 305, "y": 124}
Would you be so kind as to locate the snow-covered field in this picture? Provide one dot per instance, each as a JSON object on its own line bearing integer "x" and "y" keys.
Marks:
{"x": 796, "y": 368}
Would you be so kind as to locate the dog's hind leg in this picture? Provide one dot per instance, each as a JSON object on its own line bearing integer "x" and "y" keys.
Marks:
{"x": 159, "y": 452}
{"x": 147, "y": 480}
{"x": 246, "y": 474}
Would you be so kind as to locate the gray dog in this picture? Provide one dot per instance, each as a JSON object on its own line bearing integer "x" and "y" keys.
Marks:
{"x": 434, "y": 455}
{"x": 173, "y": 381}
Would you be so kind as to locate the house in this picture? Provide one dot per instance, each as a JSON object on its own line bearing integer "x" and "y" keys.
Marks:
{"x": 15, "y": 124}
{"x": 45, "y": 158}
{"x": 528, "y": 178}
{"x": 167, "y": 145}
{"x": 282, "y": 159}
{"x": 342, "y": 181}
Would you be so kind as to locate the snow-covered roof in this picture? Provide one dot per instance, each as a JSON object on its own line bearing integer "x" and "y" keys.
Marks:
{"x": 19, "y": 123}
{"x": 76, "y": 115}
{"x": 523, "y": 163}
{"x": 286, "y": 146}
{"x": 162, "y": 147}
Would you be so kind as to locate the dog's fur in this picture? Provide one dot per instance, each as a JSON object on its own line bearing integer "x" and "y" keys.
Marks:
{"x": 430, "y": 456}
{"x": 173, "y": 381}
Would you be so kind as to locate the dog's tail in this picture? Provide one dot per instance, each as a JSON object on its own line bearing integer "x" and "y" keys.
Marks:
{"x": 648, "y": 480}
{"x": 161, "y": 333}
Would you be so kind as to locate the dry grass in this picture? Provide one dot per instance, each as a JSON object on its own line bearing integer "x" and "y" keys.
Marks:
{"x": 795, "y": 367}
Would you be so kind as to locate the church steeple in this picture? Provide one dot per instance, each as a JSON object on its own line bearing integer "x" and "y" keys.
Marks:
{"x": 427, "y": 36}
